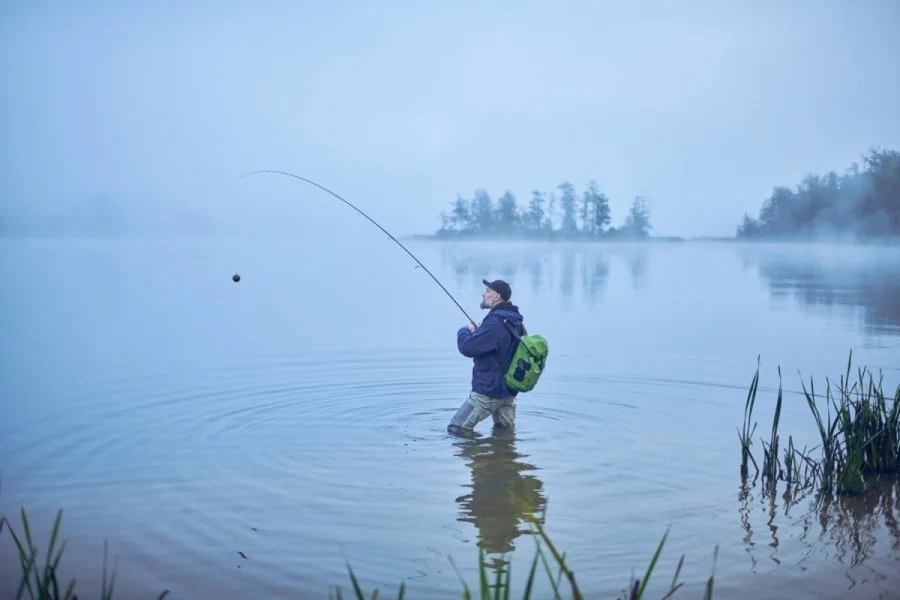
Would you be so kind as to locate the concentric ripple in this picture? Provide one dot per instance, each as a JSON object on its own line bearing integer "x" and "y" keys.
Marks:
{"x": 263, "y": 476}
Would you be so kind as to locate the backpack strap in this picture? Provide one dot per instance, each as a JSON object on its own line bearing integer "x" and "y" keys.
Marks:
{"x": 505, "y": 321}
{"x": 516, "y": 335}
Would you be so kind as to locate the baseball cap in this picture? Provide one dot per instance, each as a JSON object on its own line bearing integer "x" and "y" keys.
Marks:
{"x": 499, "y": 286}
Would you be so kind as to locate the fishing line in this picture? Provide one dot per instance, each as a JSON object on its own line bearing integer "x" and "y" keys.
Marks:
{"x": 321, "y": 187}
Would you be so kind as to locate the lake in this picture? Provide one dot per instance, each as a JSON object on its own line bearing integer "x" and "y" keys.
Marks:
{"x": 236, "y": 440}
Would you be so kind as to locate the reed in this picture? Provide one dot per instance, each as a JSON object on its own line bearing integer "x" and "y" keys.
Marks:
{"x": 45, "y": 584}
{"x": 42, "y": 583}
{"x": 554, "y": 568}
{"x": 746, "y": 436}
{"x": 772, "y": 470}
{"x": 859, "y": 434}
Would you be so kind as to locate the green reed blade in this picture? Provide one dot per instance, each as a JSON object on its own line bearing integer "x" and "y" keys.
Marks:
{"x": 677, "y": 571}
{"x": 746, "y": 435}
{"x": 531, "y": 573}
{"x": 559, "y": 560}
{"x": 103, "y": 580}
{"x": 559, "y": 573}
{"x": 672, "y": 591}
{"x": 108, "y": 585}
{"x": 467, "y": 594}
{"x": 482, "y": 575}
{"x": 27, "y": 528}
{"x": 25, "y": 582}
{"x": 45, "y": 584}
{"x": 356, "y": 587}
{"x": 751, "y": 394}
{"x": 55, "y": 583}
{"x": 112, "y": 578}
{"x": 653, "y": 561}
{"x": 549, "y": 574}
{"x": 712, "y": 577}
{"x": 849, "y": 362}
{"x": 508, "y": 584}
{"x": 32, "y": 562}
{"x": 498, "y": 584}
{"x": 25, "y": 562}
{"x": 811, "y": 402}
{"x": 53, "y": 568}
{"x": 69, "y": 590}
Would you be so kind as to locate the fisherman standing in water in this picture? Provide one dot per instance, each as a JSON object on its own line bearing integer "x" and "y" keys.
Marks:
{"x": 491, "y": 346}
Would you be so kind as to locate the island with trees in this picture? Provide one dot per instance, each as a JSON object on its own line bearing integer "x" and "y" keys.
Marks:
{"x": 863, "y": 204}
{"x": 566, "y": 215}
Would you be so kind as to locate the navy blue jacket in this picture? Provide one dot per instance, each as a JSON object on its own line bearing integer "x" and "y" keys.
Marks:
{"x": 491, "y": 347}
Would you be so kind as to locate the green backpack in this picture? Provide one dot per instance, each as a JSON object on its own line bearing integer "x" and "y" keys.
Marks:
{"x": 528, "y": 361}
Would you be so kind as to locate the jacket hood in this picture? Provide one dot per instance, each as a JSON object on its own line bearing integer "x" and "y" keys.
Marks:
{"x": 507, "y": 310}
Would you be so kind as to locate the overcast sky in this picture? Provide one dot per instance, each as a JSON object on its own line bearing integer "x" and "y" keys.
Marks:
{"x": 701, "y": 106}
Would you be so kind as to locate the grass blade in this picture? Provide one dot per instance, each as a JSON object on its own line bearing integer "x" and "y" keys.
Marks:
{"x": 652, "y": 564}
{"x": 677, "y": 571}
{"x": 356, "y": 587}
{"x": 467, "y": 594}
{"x": 69, "y": 590}
{"x": 482, "y": 575}
{"x": 672, "y": 591}
{"x": 48, "y": 566}
{"x": 531, "y": 572}
{"x": 25, "y": 562}
{"x": 506, "y": 587}
{"x": 559, "y": 560}
{"x": 549, "y": 574}
{"x": 709, "y": 582}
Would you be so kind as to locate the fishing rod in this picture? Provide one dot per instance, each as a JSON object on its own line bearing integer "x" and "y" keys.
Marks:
{"x": 374, "y": 223}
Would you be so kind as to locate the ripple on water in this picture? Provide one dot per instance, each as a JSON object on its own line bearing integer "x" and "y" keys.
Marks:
{"x": 299, "y": 462}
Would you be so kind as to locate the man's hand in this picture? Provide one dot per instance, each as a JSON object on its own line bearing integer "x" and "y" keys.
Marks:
{"x": 471, "y": 327}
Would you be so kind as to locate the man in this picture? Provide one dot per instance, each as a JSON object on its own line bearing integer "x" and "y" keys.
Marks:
{"x": 491, "y": 347}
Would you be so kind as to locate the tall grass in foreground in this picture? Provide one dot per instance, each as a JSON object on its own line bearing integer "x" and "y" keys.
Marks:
{"x": 501, "y": 588}
{"x": 861, "y": 437}
{"x": 46, "y": 586}
{"x": 42, "y": 583}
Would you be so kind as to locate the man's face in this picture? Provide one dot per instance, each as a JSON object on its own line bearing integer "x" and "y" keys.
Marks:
{"x": 489, "y": 298}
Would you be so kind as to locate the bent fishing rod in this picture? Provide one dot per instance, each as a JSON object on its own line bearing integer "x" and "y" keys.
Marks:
{"x": 321, "y": 187}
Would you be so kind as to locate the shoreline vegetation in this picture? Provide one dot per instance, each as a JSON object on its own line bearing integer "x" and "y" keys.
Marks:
{"x": 860, "y": 443}
{"x": 862, "y": 205}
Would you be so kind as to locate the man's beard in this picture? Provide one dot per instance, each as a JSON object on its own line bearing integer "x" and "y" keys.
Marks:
{"x": 485, "y": 304}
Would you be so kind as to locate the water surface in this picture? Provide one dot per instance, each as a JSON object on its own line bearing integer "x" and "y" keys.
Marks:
{"x": 298, "y": 417}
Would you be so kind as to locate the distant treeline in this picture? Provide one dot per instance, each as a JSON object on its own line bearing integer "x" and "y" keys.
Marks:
{"x": 568, "y": 216}
{"x": 861, "y": 204}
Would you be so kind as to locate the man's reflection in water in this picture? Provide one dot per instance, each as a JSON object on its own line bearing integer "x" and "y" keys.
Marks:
{"x": 503, "y": 492}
